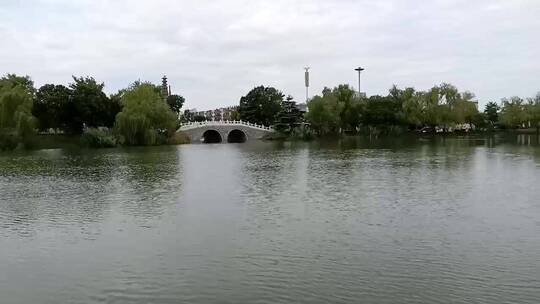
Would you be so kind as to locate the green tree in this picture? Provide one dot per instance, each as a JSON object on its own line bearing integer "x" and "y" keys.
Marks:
{"x": 492, "y": 113}
{"x": 464, "y": 111}
{"x": 340, "y": 107}
{"x": 261, "y": 105}
{"x": 466, "y": 108}
{"x": 533, "y": 112}
{"x": 448, "y": 93}
{"x": 50, "y": 105}
{"x": 175, "y": 102}
{"x": 289, "y": 117}
{"x": 445, "y": 116}
{"x": 16, "y": 121}
{"x": 350, "y": 107}
{"x": 513, "y": 113}
{"x": 235, "y": 115}
{"x": 324, "y": 113}
{"x": 431, "y": 111}
{"x": 442, "y": 106}
{"x": 479, "y": 120}
{"x": 445, "y": 106}
{"x": 146, "y": 118}
{"x": 21, "y": 81}
{"x": 89, "y": 106}
{"x": 410, "y": 111}
{"x": 382, "y": 111}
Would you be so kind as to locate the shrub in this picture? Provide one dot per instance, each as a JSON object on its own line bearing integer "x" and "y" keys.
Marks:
{"x": 8, "y": 140}
{"x": 275, "y": 136}
{"x": 95, "y": 138}
{"x": 303, "y": 132}
{"x": 179, "y": 138}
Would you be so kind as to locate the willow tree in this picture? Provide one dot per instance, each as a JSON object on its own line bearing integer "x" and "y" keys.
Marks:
{"x": 324, "y": 114}
{"x": 16, "y": 120}
{"x": 146, "y": 119}
{"x": 513, "y": 114}
{"x": 532, "y": 109}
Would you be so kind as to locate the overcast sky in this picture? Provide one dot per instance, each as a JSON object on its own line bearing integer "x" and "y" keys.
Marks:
{"x": 215, "y": 51}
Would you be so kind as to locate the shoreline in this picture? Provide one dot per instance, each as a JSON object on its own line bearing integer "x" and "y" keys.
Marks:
{"x": 65, "y": 141}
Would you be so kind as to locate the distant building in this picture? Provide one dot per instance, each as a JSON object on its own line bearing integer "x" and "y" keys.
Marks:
{"x": 216, "y": 115}
{"x": 302, "y": 107}
{"x": 219, "y": 114}
{"x": 228, "y": 112}
{"x": 188, "y": 115}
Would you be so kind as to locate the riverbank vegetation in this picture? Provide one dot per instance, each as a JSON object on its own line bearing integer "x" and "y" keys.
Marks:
{"x": 137, "y": 115}
{"x": 17, "y": 124}
{"x": 341, "y": 110}
{"x": 145, "y": 119}
{"x": 144, "y": 114}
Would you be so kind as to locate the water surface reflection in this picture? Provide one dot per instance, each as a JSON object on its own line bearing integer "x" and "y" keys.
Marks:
{"x": 408, "y": 220}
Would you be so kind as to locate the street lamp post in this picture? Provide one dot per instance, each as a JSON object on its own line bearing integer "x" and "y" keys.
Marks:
{"x": 359, "y": 69}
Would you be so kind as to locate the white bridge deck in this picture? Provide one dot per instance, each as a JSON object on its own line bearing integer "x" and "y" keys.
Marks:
{"x": 199, "y": 124}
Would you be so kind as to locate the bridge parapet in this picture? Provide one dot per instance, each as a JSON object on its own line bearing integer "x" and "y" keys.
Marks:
{"x": 199, "y": 124}
{"x": 227, "y": 130}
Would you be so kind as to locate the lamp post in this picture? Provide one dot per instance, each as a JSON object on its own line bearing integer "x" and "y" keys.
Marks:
{"x": 359, "y": 69}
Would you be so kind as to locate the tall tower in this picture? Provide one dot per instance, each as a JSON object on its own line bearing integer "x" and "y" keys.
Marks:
{"x": 359, "y": 69}
{"x": 306, "y": 80}
{"x": 164, "y": 87}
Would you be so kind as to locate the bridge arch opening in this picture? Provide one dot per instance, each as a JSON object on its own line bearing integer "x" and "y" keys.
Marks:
{"x": 211, "y": 137}
{"x": 236, "y": 136}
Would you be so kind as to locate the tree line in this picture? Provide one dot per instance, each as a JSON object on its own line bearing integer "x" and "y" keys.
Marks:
{"x": 137, "y": 115}
{"x": 339, "y": 110}
{"x": 141, "y": 115}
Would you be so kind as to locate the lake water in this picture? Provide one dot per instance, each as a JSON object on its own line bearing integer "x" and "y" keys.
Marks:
{"x": 453, "y": 220}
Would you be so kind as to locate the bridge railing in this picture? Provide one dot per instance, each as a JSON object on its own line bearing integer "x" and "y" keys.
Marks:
{"x": 196, "y": 124}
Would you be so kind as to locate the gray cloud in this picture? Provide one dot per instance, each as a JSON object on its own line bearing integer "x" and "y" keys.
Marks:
{"x": 216, "y": 51}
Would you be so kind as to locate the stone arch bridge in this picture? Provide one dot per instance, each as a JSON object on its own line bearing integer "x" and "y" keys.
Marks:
{"x": 223, "y": 131}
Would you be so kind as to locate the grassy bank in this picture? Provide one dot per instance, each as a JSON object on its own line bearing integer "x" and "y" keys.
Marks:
{"x": 53, "y": 141}
{"x": 62, "y": 141}
{"x": 395, "y": 133}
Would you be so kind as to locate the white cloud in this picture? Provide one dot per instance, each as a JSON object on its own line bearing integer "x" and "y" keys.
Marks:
{"x": 215, "y": 51}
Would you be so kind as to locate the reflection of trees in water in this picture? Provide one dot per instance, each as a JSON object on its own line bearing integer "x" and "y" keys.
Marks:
{"x": 274, "y": 182}
{"x": 61, "y": 189}
{"x": 53, "y": 188}
{"x": 536, "y": 155}
{"x": 528, "y": 139}
{"x": 370, "y": 142}
{"x": 374, "y": 188}
{"x": 440, "y": 150}
{"x": 521, "y": 145}
{"x": 368, "y": 170}
{"x": 346, "y": 171}
{"x": 151, "y": 179}
{"x": 75, "y": 164}
{"x": 447, "y": 141}
{"x": 511, "y": 138}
